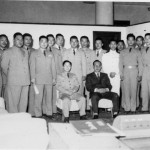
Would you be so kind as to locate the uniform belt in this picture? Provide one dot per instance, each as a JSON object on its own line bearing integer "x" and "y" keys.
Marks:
{"x": 147, "y": 65}
{"x": 130, "y": 67}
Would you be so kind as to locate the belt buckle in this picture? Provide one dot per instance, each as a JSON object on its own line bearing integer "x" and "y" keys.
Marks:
{"x": 129, "y": 67}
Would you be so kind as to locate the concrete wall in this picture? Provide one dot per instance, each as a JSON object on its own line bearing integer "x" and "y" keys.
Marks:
{"x": 66, "y": 30}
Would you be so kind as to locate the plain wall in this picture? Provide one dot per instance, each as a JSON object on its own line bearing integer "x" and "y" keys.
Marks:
{"x": 134, "y": 13}
{"x": 67, "y": 30}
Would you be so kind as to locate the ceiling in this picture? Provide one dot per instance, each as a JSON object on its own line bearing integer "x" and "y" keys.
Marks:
{"x": 133, "y": 3}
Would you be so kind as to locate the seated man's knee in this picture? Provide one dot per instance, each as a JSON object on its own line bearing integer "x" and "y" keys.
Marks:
{"x": 95, "y": 97}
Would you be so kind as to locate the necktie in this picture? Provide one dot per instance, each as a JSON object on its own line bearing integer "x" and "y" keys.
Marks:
{"x": 130, "y": 49}
{"x": 50, "y": 49}
{"x": 97, "y": 53}
{"x": 68, "y": 74}
{"x": 44, "y": 53}
{"x": 98, "y": 76}
{"x": 59, "y": 48}
{"x": 139, "y": 48}
{"x": 74, "y": 51}
{"x": 147, "y": 49}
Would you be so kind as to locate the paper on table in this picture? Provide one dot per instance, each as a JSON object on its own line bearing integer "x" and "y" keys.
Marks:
{"x": 35, "y": 89}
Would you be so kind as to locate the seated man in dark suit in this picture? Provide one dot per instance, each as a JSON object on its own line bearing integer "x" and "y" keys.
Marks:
{"x": 98, "y": 84}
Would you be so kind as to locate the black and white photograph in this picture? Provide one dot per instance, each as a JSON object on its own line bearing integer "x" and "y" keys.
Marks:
{"x": 74, "y": 75}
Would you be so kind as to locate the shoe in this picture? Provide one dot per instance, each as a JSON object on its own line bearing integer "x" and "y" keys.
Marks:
{"x": 36, "y": 116}
{"x": 49, "y": 116}
{"x": 66, "y": 120}
{"x": 95, "y": 117}
{"x": 115, "y": 115}
{"x": 83, "y": 117}
{"x": 127, "y": 112}
{"x": 133, "y": 112}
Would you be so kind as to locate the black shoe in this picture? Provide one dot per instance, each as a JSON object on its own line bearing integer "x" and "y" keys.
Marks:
{"x": 115, "y": 115}
{"x": 36, "y": 116}
{"x": 49, "y": 116}
{"x": 66, "y": 120}
{"x": 127, "y": 112}
{"x": 133, "y": 112}
{"x": 83, "y": 117}
{"x": 95, "y": 117}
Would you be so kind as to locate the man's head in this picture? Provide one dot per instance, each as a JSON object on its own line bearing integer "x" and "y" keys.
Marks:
{"x": 84, "y": 41}
{"x": 113, "y": 45}
{"x": 27, "y": 40}
{"x": 97, "y": 65}
{"x": 43, "y": 42}
{"x": 60, "y": 40}
{"x": 51, "y": 40}
{"x": 67, "y": 65}
{"x": 120, "y": 45}
{"x": 3, "y": 41}
{"x": 147, "y": 39}
{"x": 139, "y": 41}
{"x": 18, "y": 39}
{"x": 98, "y": 43}
{"x": 130, "y": 39}
{"x": 74, "y": 42}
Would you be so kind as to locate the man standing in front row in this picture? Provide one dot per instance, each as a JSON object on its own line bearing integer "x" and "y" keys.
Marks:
{"x": 130, "y": 64}
{"x": 78, "y": 60}
{"x": 15, "y": 66}
{"x": 98, "y": 84}
{"x": 43, "y": 74}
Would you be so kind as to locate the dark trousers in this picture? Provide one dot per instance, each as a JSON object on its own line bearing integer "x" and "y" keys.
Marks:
{"x": 108, "y": 95}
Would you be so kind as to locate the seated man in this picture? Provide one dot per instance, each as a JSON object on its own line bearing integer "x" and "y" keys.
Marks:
{"x": 68, "y": 86}
{"x": 98, "y": 84}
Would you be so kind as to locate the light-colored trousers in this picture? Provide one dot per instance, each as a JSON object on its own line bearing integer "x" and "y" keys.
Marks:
{"x": 31, "y": 100}
{"x": 17, "y": 98}
{"x": 43, "y": 100}
{"x": 54, "y": 98}
{"x": 67, "y": 103}
{"x": 145, "y": 89}
{"x": 130, "y": 88}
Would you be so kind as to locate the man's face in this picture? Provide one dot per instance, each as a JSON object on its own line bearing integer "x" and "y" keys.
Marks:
{"x": 113, "y": 45}
{"x": 97, "y": 67}
{"x": 139, "y": 42}
{"x": 98, "y": 44}
{"x": 84, "y": 43}
{"x": 18, "y": 41}
{"x": 3, "y": 42}
{"x": 147, "y": 40}
{"x": 120, "y": 46}
{"x": 51, "y": 41}
{"x": 60, "y": 41}
{"x": 67, "y": 67}
{"x": 27, "y": 41}
{"x": 130, "y": 41}
{"x": 43, "y": 43}
{"x": 74, "y": 43}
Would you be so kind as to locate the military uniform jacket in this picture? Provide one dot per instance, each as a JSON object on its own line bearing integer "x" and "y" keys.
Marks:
{"x": 42, "y": 68}
{"x": 67, "y": 85}
{"x": 132, "y": 58}
{"x": 78, "y": 62}
{"x": 90, "y": 57}
{"x": 15, "y": 66}
{"x": 58, "y": 59}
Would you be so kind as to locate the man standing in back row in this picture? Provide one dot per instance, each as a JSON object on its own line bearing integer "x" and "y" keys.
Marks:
{"x": 130, "y": 72}
{"x": 15, "y": 66}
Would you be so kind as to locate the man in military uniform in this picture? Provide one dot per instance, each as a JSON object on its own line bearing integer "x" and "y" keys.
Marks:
{"x": 78, "y": 60}
{"x": 146, "y": 74}
{"x": 130, "y": 72}
{"x": 43, "y": 75}
{"x": 120, "y": 46}
{"x": 58, "y": 65}
{"x": 15, "y": 66}
{"x": 68, "y": 86}
{"x": 27, "y": 46}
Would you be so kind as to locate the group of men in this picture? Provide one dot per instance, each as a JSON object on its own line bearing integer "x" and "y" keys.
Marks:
{"x": 31, "y": 79}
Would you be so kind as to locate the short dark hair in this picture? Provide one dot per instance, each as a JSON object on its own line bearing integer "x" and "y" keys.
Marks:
{"x": 122, "y": 41}
{"x": 57, "y": 35}
{"x": 50, "y": 35}
{"x": 67, "y": 61}
{"x": 99, "y": 39}
{"x": 130, "y": 35}
{"x": 97, "y": 61}
{"x": 73, "y": 37}
{"x": 43, "y": 37}
{"x": 141, "y": 37}
{"x": 4, "y": 35}
{"x": 16, "y": 34}
{"x": 147, "y": 34}
{"x": 84, "y": 37}
{"x": 27, "y": 34}
{"x": 112, "y": 40}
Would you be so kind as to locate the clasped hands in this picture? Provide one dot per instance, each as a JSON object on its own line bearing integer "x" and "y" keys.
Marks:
{"x": 101, "y": 90}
